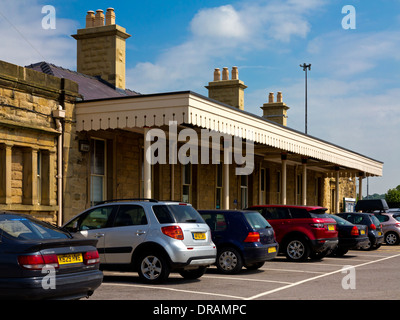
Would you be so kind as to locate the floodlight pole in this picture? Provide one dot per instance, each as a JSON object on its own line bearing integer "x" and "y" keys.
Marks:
{"x": 305, "y": 67}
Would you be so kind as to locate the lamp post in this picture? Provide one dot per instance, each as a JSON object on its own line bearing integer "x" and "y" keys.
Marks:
{"x": 305, "y": 67}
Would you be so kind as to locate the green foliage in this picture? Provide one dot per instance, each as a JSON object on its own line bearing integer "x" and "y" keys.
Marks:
{"x": 393, "y": 195}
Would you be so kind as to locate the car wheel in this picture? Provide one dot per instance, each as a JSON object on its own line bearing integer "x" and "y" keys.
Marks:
{"x": 297, "y": 249}
{"x": 229, "y": 261}
{"x": 153, "y": 268}
{"x": 193, "y": 273}
{"x": 392, "y": 238}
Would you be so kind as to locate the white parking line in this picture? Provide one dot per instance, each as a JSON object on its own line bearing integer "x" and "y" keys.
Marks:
{"x": 316, "y": 277}
{"x": 246, "y": 279}
{"x": 171, "y": 289}
{"x": 291, "y": 270}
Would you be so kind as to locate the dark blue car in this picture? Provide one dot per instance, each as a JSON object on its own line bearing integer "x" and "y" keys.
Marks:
{"x": 39, "y": 261}
{"x": 243, "y": 238}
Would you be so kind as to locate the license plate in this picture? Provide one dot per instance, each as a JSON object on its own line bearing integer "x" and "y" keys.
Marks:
{"x": 271, "y": 249}
{"x": 379, "y": 233}
{"x": 331, "y": 227}
{"x": 362, "y": 231}
{"x": 70, "y": 258}
{"x": 199, "y": 235}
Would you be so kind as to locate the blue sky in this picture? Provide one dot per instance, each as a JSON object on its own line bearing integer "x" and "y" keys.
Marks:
{"x": 353, "y": 85}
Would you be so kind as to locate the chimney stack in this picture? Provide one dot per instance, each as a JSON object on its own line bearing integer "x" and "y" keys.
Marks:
{"x": 275, "y": 111}
{"x": 101, "y": 47}
{"x": 228, "y": 91}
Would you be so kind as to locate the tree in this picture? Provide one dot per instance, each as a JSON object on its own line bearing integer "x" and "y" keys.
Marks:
{"x": 393, "y": 195}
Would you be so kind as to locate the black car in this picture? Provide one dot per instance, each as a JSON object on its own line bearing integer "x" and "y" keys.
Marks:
{"x": 40, "y": 261}
{"x": 350, "y": 236}
{"x": 243, "y": 238}
{"x": 375, "y": 233}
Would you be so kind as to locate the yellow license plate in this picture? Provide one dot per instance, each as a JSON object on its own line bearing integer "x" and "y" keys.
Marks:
{"x": 331, "y": 227}
{"x": 379, "y": 233}
{"x": 199, "y": 235}
{"x": 362, "y": 231}
{"x": 271, "y": 249}
{"x": 70, "y": 258}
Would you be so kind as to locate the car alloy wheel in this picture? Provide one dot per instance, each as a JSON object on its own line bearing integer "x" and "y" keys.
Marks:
{"x": 153, "y": 268}
{"x": 297, "y": 250}
{"x": 391, "y": 238}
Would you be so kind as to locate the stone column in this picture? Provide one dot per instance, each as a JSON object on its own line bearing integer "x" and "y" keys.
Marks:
{"x": 283, "y": 177}
{"x": 5, "y": 174}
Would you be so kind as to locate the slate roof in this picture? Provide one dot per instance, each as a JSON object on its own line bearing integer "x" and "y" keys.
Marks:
{"x": 89, "y": 87}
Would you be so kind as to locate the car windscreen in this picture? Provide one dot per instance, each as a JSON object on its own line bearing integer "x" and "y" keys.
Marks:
{"x": 177, "y": 214}
{"x": 22, "y": 228}
{"x": 256, "y": 220}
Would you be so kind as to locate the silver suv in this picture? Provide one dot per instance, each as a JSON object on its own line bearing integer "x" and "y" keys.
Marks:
{"x": 149, "y": 236}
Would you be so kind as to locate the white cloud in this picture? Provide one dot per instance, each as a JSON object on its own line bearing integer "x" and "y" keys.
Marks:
{"x": 222, "y": 33}
{"x": 27, "y": 42}
{"x": 221, "y": 22}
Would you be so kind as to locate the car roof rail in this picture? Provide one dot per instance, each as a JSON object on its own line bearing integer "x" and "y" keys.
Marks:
{"x": 127, "y": 199}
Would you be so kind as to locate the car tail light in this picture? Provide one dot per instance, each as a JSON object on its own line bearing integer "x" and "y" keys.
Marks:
{"x": 252, "y": 237}
{"x": 91, "y": 257}
{"x": 354, "y": 231}
{"x": 174, "y": 232}
{"x": 38, "y": 261}
{"x": 373, "y": 227}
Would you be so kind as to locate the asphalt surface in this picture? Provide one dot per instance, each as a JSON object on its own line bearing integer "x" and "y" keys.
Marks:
{"x": 359, "y": 275}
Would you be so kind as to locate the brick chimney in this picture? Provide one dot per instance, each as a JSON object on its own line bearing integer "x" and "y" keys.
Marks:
{"x": 227, "y": 91}
{"x": 275, "y": 111}
{"x": 101, "y": 47}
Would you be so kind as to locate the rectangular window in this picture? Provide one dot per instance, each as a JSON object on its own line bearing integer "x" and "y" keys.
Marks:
{"x": 97, "y": 171}
{"x": 186, "y": 182}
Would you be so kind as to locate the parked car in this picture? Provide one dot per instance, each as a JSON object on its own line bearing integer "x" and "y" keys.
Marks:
{"x": 151, "y": 237}
{"x": 350, "y": 236}
{"x": 375, "y": 233}
{"x": 40, "y": 261}
{"x": 301, "y": 231}
{"x": 390, "y": 222}
{"x": 243, "y": 238}
{"x": 371, "y": 205}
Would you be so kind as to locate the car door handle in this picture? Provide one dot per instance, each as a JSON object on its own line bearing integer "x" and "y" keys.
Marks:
{"x": 99, "y": 235}
{"x": 140, "y": 232}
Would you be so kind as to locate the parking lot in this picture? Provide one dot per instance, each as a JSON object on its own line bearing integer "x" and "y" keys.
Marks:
{"x": 358, "y": 275}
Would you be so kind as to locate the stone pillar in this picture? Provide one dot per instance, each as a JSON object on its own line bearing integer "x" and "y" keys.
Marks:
{"x": 283, "y": 177}
{"x": 337, "y": 205}
{"x": 304, "y": 182}
{"x": 5, "y": 174}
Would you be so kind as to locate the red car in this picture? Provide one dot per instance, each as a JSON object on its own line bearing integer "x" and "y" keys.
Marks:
{"x": 301, "y": 231}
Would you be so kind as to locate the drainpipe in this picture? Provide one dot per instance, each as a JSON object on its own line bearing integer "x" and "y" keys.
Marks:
{"x": 58, "y": 115}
